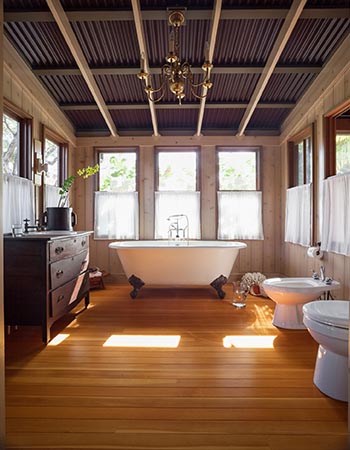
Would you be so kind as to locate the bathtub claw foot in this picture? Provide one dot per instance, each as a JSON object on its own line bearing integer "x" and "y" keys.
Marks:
{"x": 217, "y": 285}
{"x": 137, "y": 284}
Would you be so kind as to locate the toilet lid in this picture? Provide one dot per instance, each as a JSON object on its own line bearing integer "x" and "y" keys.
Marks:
{"x": 331, "y": 312}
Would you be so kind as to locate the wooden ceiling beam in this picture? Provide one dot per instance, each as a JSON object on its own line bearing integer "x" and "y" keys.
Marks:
{"x": 213, "y": 33}
{"x": 222, "y": 70}
{"x": 143, "y": 51}
{"x": 205, "y": 14}
{"x": 159, "y": 106}
{"x": 280, "y": 43}
{"x": 73, "y": 44}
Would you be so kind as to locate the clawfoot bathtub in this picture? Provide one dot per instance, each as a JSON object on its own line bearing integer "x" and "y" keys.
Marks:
{"x": 177, "y": 263}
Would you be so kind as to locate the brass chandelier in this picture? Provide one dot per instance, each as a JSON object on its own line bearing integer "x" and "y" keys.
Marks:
{"x": 175, "y": 73}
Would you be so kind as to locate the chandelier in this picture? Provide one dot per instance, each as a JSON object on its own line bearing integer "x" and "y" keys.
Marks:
{"x": 175, "y": 73}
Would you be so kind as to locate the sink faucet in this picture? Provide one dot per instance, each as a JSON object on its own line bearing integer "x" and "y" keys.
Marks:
{"x": 30, "y": 227}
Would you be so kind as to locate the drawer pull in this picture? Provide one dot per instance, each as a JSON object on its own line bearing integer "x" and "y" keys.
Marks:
{"x": 60, "y": 298}
{"x": 83, "y": 243}
{"x": 59, "y": 250}
{"x": 59, "y": 273}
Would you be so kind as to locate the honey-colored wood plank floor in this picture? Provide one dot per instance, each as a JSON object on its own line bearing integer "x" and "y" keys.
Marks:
{"x": 201, "y": 395}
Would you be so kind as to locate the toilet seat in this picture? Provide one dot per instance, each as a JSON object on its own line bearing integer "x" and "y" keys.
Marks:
{"x": 334, "y": 313}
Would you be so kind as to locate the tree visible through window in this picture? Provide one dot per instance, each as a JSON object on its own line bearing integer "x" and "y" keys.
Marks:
{"x": 117, "y": 172}
{"x": 342, "y": 153}
{"x": 51, "y": 157}
{"x": 10, "y": 145}
{"x": 237, "y": 171}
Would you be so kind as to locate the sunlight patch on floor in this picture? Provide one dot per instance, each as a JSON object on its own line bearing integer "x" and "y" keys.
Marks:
{"x": 158, "y": 341}
{"x": 249, "y": 341}
{"x": 58, "y": 339}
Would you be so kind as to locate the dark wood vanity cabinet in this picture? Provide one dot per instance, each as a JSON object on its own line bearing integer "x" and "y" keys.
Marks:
{"x": 44, "y": 278}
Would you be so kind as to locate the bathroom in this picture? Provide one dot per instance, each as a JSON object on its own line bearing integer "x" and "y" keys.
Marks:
{"x": 269, "y": 254}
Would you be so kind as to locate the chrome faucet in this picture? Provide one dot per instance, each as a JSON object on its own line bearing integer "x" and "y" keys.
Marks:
{"x": 176, "y": 227}
{"x": 322, "y": 273}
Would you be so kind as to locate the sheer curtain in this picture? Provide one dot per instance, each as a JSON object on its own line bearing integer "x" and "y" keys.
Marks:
{"x": 335, "y": 233}
{"x": 18, "y": 198}
{"x": 177, "y": 202}
{"x": 116, "y": 215}
{"x": 240, "y": 215}
{"x": 51, "y": 195}
{"x": 298, "y": 215}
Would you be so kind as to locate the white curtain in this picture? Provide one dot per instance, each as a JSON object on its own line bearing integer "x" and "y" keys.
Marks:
{"x": 18, "y": 201}
{"x": 51, "y": 196}
{"x": 177, "y": 202}
{"x": 335, "y": 233}
{"x": 240, "y": 215}
{"x": 116, "y": 215}
{"x": 298, "y": 215}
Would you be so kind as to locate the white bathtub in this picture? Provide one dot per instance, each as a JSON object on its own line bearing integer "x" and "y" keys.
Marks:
{"x": 165, "y": 263}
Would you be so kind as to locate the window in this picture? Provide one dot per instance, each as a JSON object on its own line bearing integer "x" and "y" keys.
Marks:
{"x": 116, "y": 201}
{"x": 337, "y": 140}
{"x": 177, "y": 193}
{"x": 300, "y": 158}
{"x": 18, "y": 189}
{"x": 55, "y": 155}
{"x": 299, "y": 214}
{"x": 16, "y": 142}
{"x": 239, "y": 197}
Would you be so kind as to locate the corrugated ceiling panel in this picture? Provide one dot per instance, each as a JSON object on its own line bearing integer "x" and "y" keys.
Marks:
{"x": 41, "y": 44}
{"x": 232, "y": 87}
{"x": 87, "y": 120}
{"x": 245, "y": 41}
{"x": 95, "y": 4}
{"x": 179, "y": 119}
{"x": 108, "y": 43}
{"x": 138, "y": 119}
{"x": 313, "y": 41}
{"x": 256, "y": 3}
{"x": 121, "y": 88}
{"x": 268, "y": 118}
{"x": 17, "y": 5}
{"x": 222, "y": 118}
{"x": 193, "y": 36}
{"x": 67, "y": 89}
{"x": 163, "y": 4}
{"x": 287, "y": 87}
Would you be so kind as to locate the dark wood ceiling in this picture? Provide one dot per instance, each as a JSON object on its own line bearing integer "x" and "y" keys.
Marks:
{"x": 106, "y": 33}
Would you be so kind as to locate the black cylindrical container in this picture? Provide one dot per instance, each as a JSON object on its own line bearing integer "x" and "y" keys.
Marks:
{"x": 59, "y": 218}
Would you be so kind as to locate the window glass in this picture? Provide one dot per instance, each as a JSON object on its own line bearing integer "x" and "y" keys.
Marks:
{"x": 51, "y": 158}
{"x": 10, "y": 145}
{"x": 117, "y": 171}
{"x": 343, "y": 153}
{"x": 300, "y": 172}
{"x": 177, "y": 171}
{"x": 308, "y": 155}
{"x": 237, "y": 171}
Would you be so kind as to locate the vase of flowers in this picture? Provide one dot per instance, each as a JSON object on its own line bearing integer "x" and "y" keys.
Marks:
{"x": 62, "y": 216}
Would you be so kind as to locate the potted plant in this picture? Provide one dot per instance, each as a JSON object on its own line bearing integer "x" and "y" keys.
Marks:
{"x": 62, "y": 217}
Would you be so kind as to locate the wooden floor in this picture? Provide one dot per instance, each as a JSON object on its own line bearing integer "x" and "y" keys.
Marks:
{"x": 81, "y": 395}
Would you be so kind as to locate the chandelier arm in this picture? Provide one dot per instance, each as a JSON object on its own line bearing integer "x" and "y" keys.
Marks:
{"x": 199, "y": 96}
{"x": 154, "y": 91}
{"x": 157, "y": 99}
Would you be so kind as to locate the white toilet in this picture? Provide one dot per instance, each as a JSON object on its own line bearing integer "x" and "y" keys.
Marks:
{"x": 328, "y": 324}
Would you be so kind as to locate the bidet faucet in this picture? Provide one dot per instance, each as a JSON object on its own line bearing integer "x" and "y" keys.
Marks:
{"x": 322, "y": 273}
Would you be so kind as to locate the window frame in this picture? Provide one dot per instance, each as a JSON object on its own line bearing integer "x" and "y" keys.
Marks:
{"x": 25, "y": 138}
{"x": 136, "y": 150}
{"x": 52, "y": 136}
{"x": 158, "y": 150}
{"x": 293, "y": 142}
{"x": 238, "y": 149}
{"x": 330, "y": 132}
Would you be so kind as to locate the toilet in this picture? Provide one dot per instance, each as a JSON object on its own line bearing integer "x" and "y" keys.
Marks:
{"x": 328, "y": 324}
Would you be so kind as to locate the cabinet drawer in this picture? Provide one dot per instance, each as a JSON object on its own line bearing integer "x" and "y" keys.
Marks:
{"x": 62, "y": 297}
{"x": 64, "y": 248}
{"x": 67, "y": 269}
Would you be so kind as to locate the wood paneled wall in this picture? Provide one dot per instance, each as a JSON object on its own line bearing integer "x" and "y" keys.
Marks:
{"x": 262, "y": 256}
{"x": 331, "y": 89}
